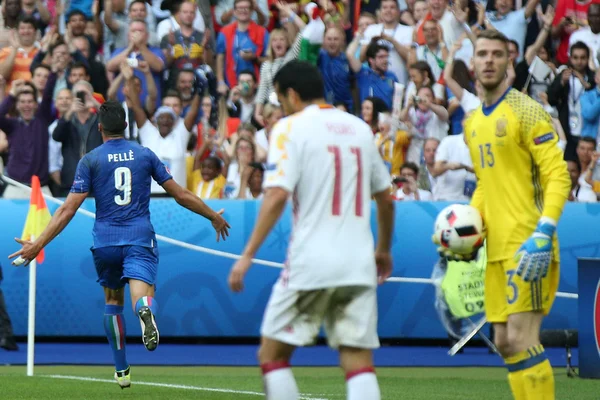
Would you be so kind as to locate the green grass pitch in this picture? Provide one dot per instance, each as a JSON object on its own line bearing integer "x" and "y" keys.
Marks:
{"x": 241, "y": 383}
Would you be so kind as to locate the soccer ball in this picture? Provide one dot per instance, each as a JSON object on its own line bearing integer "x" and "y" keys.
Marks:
{"x": 459, "y": 228}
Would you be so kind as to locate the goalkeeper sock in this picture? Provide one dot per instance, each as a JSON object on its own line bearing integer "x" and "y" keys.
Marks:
{"x": 362, "y": 384}
{"x": 530, "y": 375}
{"x": 279, "y": 382}
{"x": 147, "y": 301}
{"x": 114, "y": 327}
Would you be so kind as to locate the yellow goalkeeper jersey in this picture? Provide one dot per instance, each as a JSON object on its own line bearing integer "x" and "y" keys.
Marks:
{"x": 521, "y": 174}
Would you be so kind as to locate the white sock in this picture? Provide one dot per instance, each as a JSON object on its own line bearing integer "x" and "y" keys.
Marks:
{"x": 279, "y": 382}
{"x": 362, "y": 385}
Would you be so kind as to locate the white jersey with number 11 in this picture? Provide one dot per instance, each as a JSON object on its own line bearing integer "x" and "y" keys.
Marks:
{"x": 327, "y": 158}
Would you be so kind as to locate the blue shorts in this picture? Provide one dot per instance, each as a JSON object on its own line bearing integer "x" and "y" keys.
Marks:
{"x": 115, "y": 265}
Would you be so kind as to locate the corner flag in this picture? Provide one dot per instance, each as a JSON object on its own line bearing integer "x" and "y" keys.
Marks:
{"x": 38, "y": 216}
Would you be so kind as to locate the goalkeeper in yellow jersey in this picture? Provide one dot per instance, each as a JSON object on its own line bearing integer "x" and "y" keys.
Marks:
{"x": 522, "y": 187}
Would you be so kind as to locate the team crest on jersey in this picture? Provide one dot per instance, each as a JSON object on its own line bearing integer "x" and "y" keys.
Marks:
{"x": 501, "y": 125}
{"x": 473, "y": 134}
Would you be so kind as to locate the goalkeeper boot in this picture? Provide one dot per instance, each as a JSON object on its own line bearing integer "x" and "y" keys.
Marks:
{"x": 123, "y": 378}
{"x": 149, "y": 328}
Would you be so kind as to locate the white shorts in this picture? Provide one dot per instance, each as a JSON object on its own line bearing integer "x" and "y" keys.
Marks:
{"x": 348, "y": 313}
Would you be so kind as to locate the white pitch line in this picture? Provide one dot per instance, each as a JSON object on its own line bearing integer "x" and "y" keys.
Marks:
{"x": 169, "y": 385}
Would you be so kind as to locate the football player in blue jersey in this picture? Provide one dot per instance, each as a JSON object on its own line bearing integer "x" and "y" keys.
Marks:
{"x": 119, "y": 173}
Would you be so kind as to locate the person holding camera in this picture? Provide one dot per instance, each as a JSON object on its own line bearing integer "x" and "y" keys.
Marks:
{"x": 405, "y": 185}
{"x": 77, "y": 131}
{"x": 428, "y": 120}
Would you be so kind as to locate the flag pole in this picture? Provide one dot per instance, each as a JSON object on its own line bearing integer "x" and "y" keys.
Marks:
{"x": 31, "y": 316}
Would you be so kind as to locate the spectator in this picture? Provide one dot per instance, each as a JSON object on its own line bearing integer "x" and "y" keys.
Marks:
{"x": 566, "y": 91}
{"x": 407, "y": 184}
{"x": 78, "y": 132}
{"x": 391, "y": 141}
{"x": 28, "y": 134}
{"x": 590, "y": 35}
{"x": 461, "y": 91}
{"x": 168, "y": 138}
{"x": 440, "y": 12}
{"x": 370, "y": 110}
{"x": 579, "y": 193}
{"x": 241, "y": 45}
{"x": 512, "y": 23}
{"x": 40, "y": 78}
{"x": 365, "y": 20}
{"x": 208, "y": 181}
{"x": 226, "y": 12}
{"x": 174, "y": 21}
{"x": 537, "y": 49}
{"x": 150, "y": 102}
{"x": 433, "y": 52}
{"x": 586, "y": 154}
{"x": 374, "y": 80}
{"x": 11, "y": 12}
{"x": 76, "y": 27}
{"x": 116, "y": 23}
{"x": 63, "y": 103}
{"x": 426, "y": 119}
{"x": 426, "y": 179}
{"x": 453, "y": 170}
{"x": 570, "y": 15}
{"x": 590, "y": 110}
{"x": 399, "y": 37}
{"x": 421, "y": 75}
{"x": 63, "y": 54}
{"x": 244, "y": 153}
{"x": 137, "y": 51}
{"x": 241, "y": 102}
{"x": 271, "y": 114}
{"x": 186, "y": 47}
{"x": 280, "y": 52}
{"x": 96, "y": 71}
{"x": 334, "y": 67}
{"x": 251, "y": 182}
{"x": 37, "y": 11}
{"x": 15, "y": 60}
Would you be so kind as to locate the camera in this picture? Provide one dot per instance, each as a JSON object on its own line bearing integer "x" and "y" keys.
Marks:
{"x": 81, "y": 96}
{"x": 133, "y": 62}
{"x": 416, "y": 99}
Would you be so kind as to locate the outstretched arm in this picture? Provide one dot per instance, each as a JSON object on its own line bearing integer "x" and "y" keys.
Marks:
{"x": 59, "y": 221}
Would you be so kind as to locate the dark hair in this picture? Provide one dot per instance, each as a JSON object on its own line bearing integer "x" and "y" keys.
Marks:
{"x": 44, "y": 66}
{"x": 462, "y": 76}
{"x": 26, "y": 19}
{"x": 112, "y": 118}
{"x": 302, "y": 77}
{"x": 136, "y": 1}
{"x": 33, "y": 91}
{"x": 172, "y": 93}
{"x": 589, "y": 139}
{"x": 75, "y": 12}
{"x": 410, "y": 165}
{"x": 577, "y": 164}
{"x": 515, "y": 43}
{"x": 79, "y": 64}
{"x": 59, "y": 42}
{"x": 424, "y": 67}
{"x": 248, "y": 72}
{"x": 379, "y": 106}
{"x": 216, "y": 161}
{"x": 580, "y": 46}
{"x": 374, "y": 48}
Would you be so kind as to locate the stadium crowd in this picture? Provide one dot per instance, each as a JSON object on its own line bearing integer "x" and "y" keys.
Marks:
{"x": 195, "y": 79}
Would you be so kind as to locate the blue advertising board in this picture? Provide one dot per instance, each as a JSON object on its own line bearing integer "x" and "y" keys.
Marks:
{"x": 589, "y": 317}
{"x": 192, "y": 291}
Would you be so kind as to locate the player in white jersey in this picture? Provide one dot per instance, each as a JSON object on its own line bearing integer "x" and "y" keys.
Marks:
{"x": 328, "y": 161}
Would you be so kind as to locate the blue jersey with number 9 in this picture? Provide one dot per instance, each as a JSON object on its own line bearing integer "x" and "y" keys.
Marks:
{"x": 119, "y": 174}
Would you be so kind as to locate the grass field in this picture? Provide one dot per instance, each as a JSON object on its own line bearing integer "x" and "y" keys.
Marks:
{"x": 212, "y": 383}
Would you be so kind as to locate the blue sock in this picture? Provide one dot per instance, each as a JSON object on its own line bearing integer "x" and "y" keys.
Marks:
{"x": 114, "y": 327}
{"x": 147, "y": 301}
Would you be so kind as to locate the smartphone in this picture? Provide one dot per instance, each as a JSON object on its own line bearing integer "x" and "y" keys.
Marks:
{"x": 133, "y": 62}
{"x": 81, "y": 96}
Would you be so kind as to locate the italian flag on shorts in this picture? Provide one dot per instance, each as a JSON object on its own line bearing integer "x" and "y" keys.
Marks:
{"x": 312, "y": 35}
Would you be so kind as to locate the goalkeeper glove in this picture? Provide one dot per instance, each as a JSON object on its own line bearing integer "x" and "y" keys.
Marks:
{"x": 535, "y": 254}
